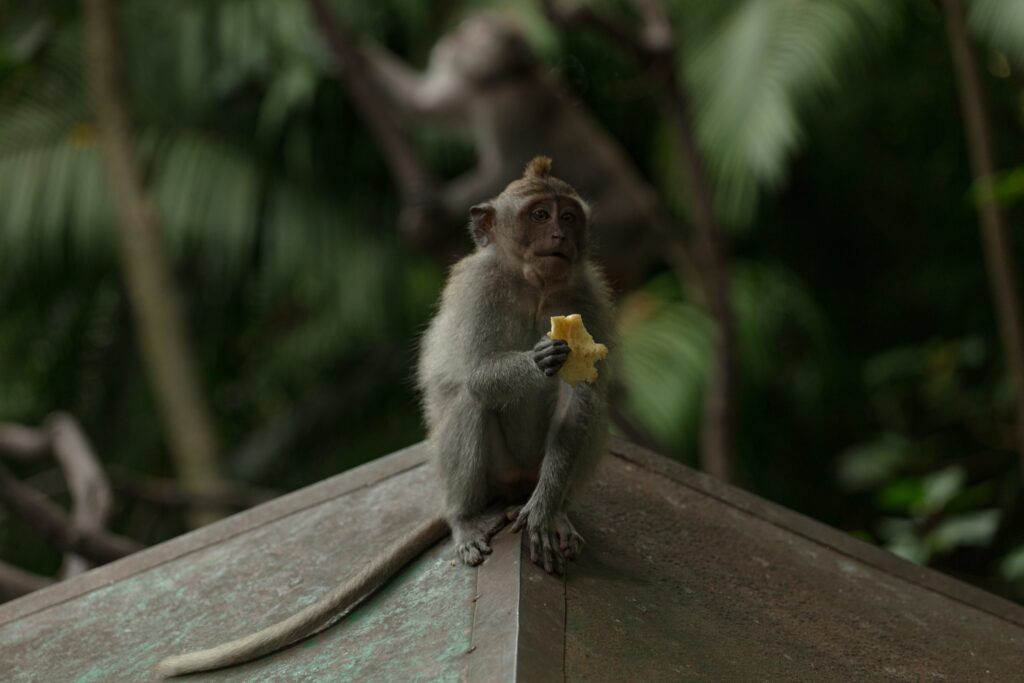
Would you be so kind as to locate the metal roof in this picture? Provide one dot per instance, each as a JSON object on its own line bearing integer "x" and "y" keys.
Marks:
{"x": 683, "y": 578}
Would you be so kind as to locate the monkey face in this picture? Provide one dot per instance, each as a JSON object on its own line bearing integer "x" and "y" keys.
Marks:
{"x": 538, "y": 226}
{"x": 549, "y": 235}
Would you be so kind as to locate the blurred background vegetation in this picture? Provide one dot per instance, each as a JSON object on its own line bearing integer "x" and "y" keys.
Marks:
{"x": 873, "y": 390}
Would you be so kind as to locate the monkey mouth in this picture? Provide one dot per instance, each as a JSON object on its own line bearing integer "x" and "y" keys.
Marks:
{"x": 554, "y": 253}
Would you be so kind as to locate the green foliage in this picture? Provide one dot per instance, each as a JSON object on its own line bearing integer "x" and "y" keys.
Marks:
{"x": 1000, "y": 24}
{"x": 872, "y": 393}
{"x": 754, "y": 69}
{"x": 666, "y": 346}
{"x": 1008, "y": 188}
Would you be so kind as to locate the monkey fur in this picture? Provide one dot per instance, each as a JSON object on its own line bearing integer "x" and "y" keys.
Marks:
{"x": 499, "y": 425}
{"x": 502, "y": 428}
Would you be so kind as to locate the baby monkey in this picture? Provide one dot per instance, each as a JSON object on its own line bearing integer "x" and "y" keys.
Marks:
{"x": 501, "y": 427}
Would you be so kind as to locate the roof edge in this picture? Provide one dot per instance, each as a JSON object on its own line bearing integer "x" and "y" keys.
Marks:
{"x": 818, "y": 532}
{"x": 291, "y": 503}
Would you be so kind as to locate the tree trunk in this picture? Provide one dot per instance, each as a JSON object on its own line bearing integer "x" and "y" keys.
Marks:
{"x": 994, "y": 234}
{"x": 656, "y": 46}
{"x": 154, "y": 301}
{"x": 719, "y": 395}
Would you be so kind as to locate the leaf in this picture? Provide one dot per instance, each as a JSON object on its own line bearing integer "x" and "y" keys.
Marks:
{"x": 1007, "y": 188}
{"x": 939, "y": 488}
{"x": 1000, "y": 23}
{"x": 760, "y": 66}
{"x": 1011, "y": 567}
{"x": 869, "y": 464}
{"x": 900, "y": 495}
{"x": 972, "y": 528}
{"x": 900, "y": 538}
{"x": 663, "y": 361}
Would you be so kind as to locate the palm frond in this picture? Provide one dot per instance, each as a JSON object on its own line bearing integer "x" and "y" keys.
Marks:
{"x": 1000, "y": 24}
{"x": 760, "y": 65}
{"x": 663, "y": 363}
{"x": 666, "y": 346}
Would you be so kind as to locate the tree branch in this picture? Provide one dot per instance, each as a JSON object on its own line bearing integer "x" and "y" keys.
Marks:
{"x": 36, "y": 510}
{"x": 83, "y": 476}
{"x": 24, "y": 443}
{"x": 994, "y": 232}
{"x": 15, "y": 582}
{"x": 150, "y": 285}
{"x": 654, "y": 46}
{"x": 416, "y": 186}
{"x": 164, "y": 492}
{"x": 91, "y": 497}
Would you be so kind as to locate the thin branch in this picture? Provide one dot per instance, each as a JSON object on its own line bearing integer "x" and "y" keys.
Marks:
{"x": 401, "y": 158}
{"x": 37, "y": 511}
{"x": 155, "y": 303}
{"x": 416, "y": 185}
{"x": 91, "y": 496}
{"x": 654, "y": 46}
{"x": 994, "y": 231}
{"x": 15, "y": 582}
{"x": 164, "y": 492}
{"x": 24, "y": 443}
{"x": 169, "y": 493}
{"x": 83, "y": 476}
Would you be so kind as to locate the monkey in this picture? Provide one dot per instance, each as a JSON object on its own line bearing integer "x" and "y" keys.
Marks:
{"x": 501, "y": 427}
{"x": 484, "y": 78}
{"x": 497, "y": 425}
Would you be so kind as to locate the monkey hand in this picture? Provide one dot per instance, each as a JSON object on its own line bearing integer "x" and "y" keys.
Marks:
{"x": 553, "y": 539}
{"x": 550, "y": 355}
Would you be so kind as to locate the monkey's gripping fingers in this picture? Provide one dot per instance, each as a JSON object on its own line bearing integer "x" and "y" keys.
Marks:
{"x": 550, "y": 355}
{"x": 569, "y": 541}
{"x": 541, "y": 533}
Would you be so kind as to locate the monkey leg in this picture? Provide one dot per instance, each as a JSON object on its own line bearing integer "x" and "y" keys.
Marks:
{"x": 574, "y": 445}
{"x": 460, "y": 445}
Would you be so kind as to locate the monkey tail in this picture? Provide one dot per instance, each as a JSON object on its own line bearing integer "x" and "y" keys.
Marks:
{"x": 317, "y": 616}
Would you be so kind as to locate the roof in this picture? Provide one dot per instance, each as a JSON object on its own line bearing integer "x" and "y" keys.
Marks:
{"x": 683, "y": 577}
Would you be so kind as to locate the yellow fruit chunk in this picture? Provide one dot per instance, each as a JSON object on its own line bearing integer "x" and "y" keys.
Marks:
{"x": 583, "y": 351}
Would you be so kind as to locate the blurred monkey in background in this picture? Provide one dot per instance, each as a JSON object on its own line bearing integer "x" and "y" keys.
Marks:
{"x": 484, "y": 78}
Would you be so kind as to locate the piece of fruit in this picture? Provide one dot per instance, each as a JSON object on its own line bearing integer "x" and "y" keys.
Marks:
{"x": 584, "y": 352}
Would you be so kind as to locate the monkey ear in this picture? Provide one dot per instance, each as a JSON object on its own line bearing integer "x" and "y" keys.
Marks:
{"x": 481, "y": 223}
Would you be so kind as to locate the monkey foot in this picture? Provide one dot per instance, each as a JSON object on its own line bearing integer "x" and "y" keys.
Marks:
{"x": 552, "y": 539}
{"x": 569, "y": 541}
{"x": 472, "y": 536}
{"x": 473, "y": 552}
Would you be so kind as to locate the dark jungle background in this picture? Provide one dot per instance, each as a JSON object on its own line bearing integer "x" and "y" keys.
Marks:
{"x": 875, "y": 382}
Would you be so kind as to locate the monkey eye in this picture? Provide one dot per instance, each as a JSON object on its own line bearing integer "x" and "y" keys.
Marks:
{"x": 539, "y": 215}
{"x": 568, "y": 217}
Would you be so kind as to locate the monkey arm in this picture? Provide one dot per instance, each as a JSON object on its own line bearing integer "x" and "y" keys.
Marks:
{"x": 436, "y": 93}
{"x": 575, "y": 443}
{"x": 502, "y": 377}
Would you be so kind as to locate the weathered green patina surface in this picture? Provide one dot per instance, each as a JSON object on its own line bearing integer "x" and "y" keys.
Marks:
{"x": 228, "y": 588}
{"x": 683, "y": 578}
